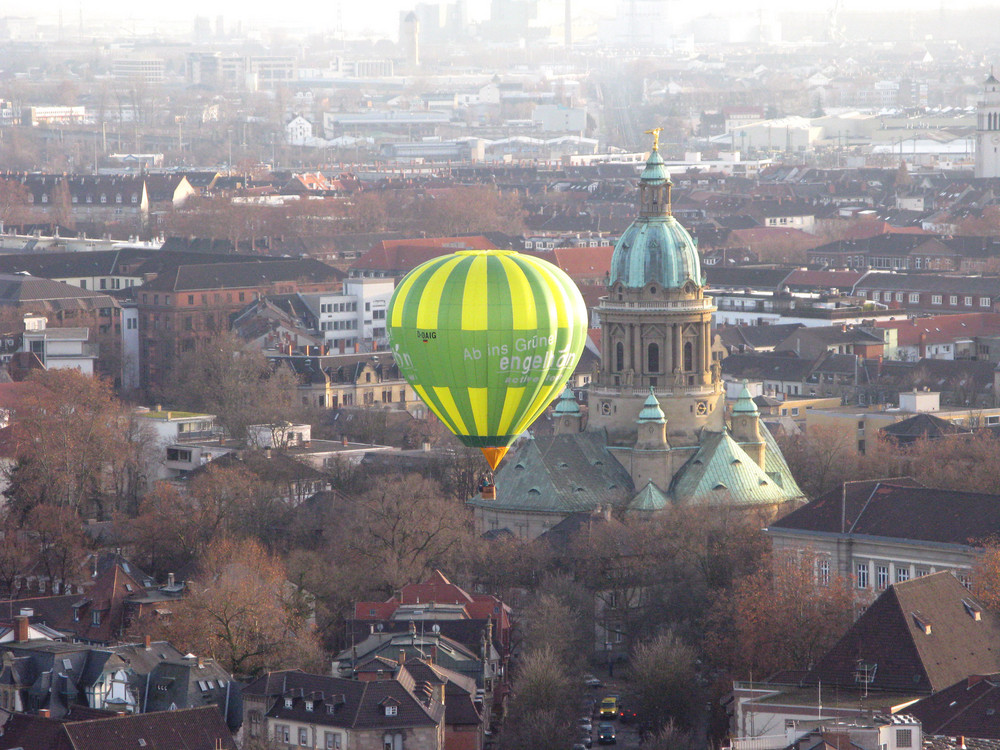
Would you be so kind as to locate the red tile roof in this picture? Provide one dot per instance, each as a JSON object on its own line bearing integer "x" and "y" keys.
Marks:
{"x": 402, "y": 256}
{"x": 584, "y": 262}
{"x": 943, "y": 328}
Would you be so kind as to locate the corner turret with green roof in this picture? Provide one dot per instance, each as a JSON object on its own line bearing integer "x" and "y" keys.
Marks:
{"x": 744, "y": 402}
{"x": 651, "y": 411}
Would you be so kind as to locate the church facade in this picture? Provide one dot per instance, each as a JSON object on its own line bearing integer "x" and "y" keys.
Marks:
{"x": 657, "y": 433}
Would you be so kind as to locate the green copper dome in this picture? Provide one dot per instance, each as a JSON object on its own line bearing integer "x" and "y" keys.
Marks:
{"x": 655, "y": 249}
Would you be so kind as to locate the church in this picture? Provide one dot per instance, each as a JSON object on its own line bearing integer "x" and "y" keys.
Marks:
{"x": 657, "y": 433}
{"x": 988, "y": 130}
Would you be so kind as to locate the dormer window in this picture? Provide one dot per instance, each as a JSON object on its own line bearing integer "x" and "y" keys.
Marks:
{"x": 288, "y": 702}
{"x": 104, "y": 198}
{"x": 309, "y": 705}
{"x": 390, "y": 710}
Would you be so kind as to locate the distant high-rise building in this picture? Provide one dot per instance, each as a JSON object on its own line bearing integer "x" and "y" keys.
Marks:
{"x": 409, "y": 38}
{"x": 988, "y": 130}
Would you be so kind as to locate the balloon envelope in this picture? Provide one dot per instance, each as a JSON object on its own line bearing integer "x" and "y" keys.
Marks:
{"x": 487, "y": 338}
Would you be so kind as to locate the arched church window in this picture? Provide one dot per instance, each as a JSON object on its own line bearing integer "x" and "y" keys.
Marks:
{"x": 619, "y": 356}
{"x": 653, "y": 358}
{"x": 688, "y": 355}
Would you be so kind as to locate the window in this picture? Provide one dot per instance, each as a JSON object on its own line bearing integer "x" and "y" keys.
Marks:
{"x": 95, "y": 618}
{"x": 390, "y": 710}
{"x": 620, "y": 356}
{"x": 862, "y": 575}
{"x": 902, "y": 574}
{"x": 688, "y": 355}
{"x": 653, "y": 358}
{"x": 303, "y": 736}
{"x": 904, "y": 738}
{"x": 953, "y": 299}
{"x": 914, "y": 297}
{"x": 309, "y": 705}
{"x": 118, "y": 198}
{"x": 883, "y": 576}
{"x": 968, "y": 301}
{"x": 875, "y": 296}
{"x": 331, "y": 741}
{"x": 104, "y": 198}
{"x": 919, "y": 572}
{"x": 255, "y": 724}
{"x": 984, "y": 301}
{"x": 190, "y": 299}
{"x": 288, "y": 702}
{"x": 824, "y": 572}
{"x": 935, "y": 299}
{"x": 282, "y": 733}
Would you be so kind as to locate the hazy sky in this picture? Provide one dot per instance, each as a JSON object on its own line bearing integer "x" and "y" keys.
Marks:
{"x": 382, "y": 16}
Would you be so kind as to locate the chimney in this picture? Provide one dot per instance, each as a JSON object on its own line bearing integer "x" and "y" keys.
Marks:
{"x": 343, "y": 441}
{"x": 434, "y": 653}
{"x": 44, "y": 713}
{"x": 170, "y": 579}
{"x": 21, "y": 629}
{"x": 961, "y": 742}
{"x": 147, "y": 643}
{"x": 402, "y": 657}
{"x": 201, "y": 662}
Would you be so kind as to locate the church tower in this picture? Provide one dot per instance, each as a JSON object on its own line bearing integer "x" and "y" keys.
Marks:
{"x": 988, "y": 130}
{"x": 656, "y": 329}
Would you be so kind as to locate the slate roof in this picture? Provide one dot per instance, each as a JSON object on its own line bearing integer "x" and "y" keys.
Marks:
{"x": 184, "y": 729}
{"x": 845, "y": 503}
{"x": 919, "y": 636}
{"x": 925, "y": 427}
{"x": 362, "y": 706}
{"x": 756, "y": 337}
{"x": 16, "y": 289}
{"x": 242, "y": 275}
{"x": 970, "y": 708}
{"x": 746, "y": 277}
{"x": 559, "y": 474}
{"x": 976, "y": 285}
{"x": 753, "y": 366}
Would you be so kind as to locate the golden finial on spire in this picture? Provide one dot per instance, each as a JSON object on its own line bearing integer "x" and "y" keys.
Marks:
{"x": 655, "y": 132}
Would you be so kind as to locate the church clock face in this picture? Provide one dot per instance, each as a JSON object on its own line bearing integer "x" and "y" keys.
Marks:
{"x": 701, "y": 409}
{"x": 606, "y": 408}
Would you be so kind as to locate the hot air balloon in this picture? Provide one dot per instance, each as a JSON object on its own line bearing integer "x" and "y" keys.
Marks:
{"x": 487, "y": 338}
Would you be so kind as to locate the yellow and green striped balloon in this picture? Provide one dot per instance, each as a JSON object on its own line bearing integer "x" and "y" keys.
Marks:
{"x": 487, "y": 338}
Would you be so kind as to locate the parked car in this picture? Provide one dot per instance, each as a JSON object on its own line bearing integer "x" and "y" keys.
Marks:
{"x": 586, "y": 740}
{"x": 606, "y": 734}
{"x": 609, "y": 707}
{"x": 585, "y": 724}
